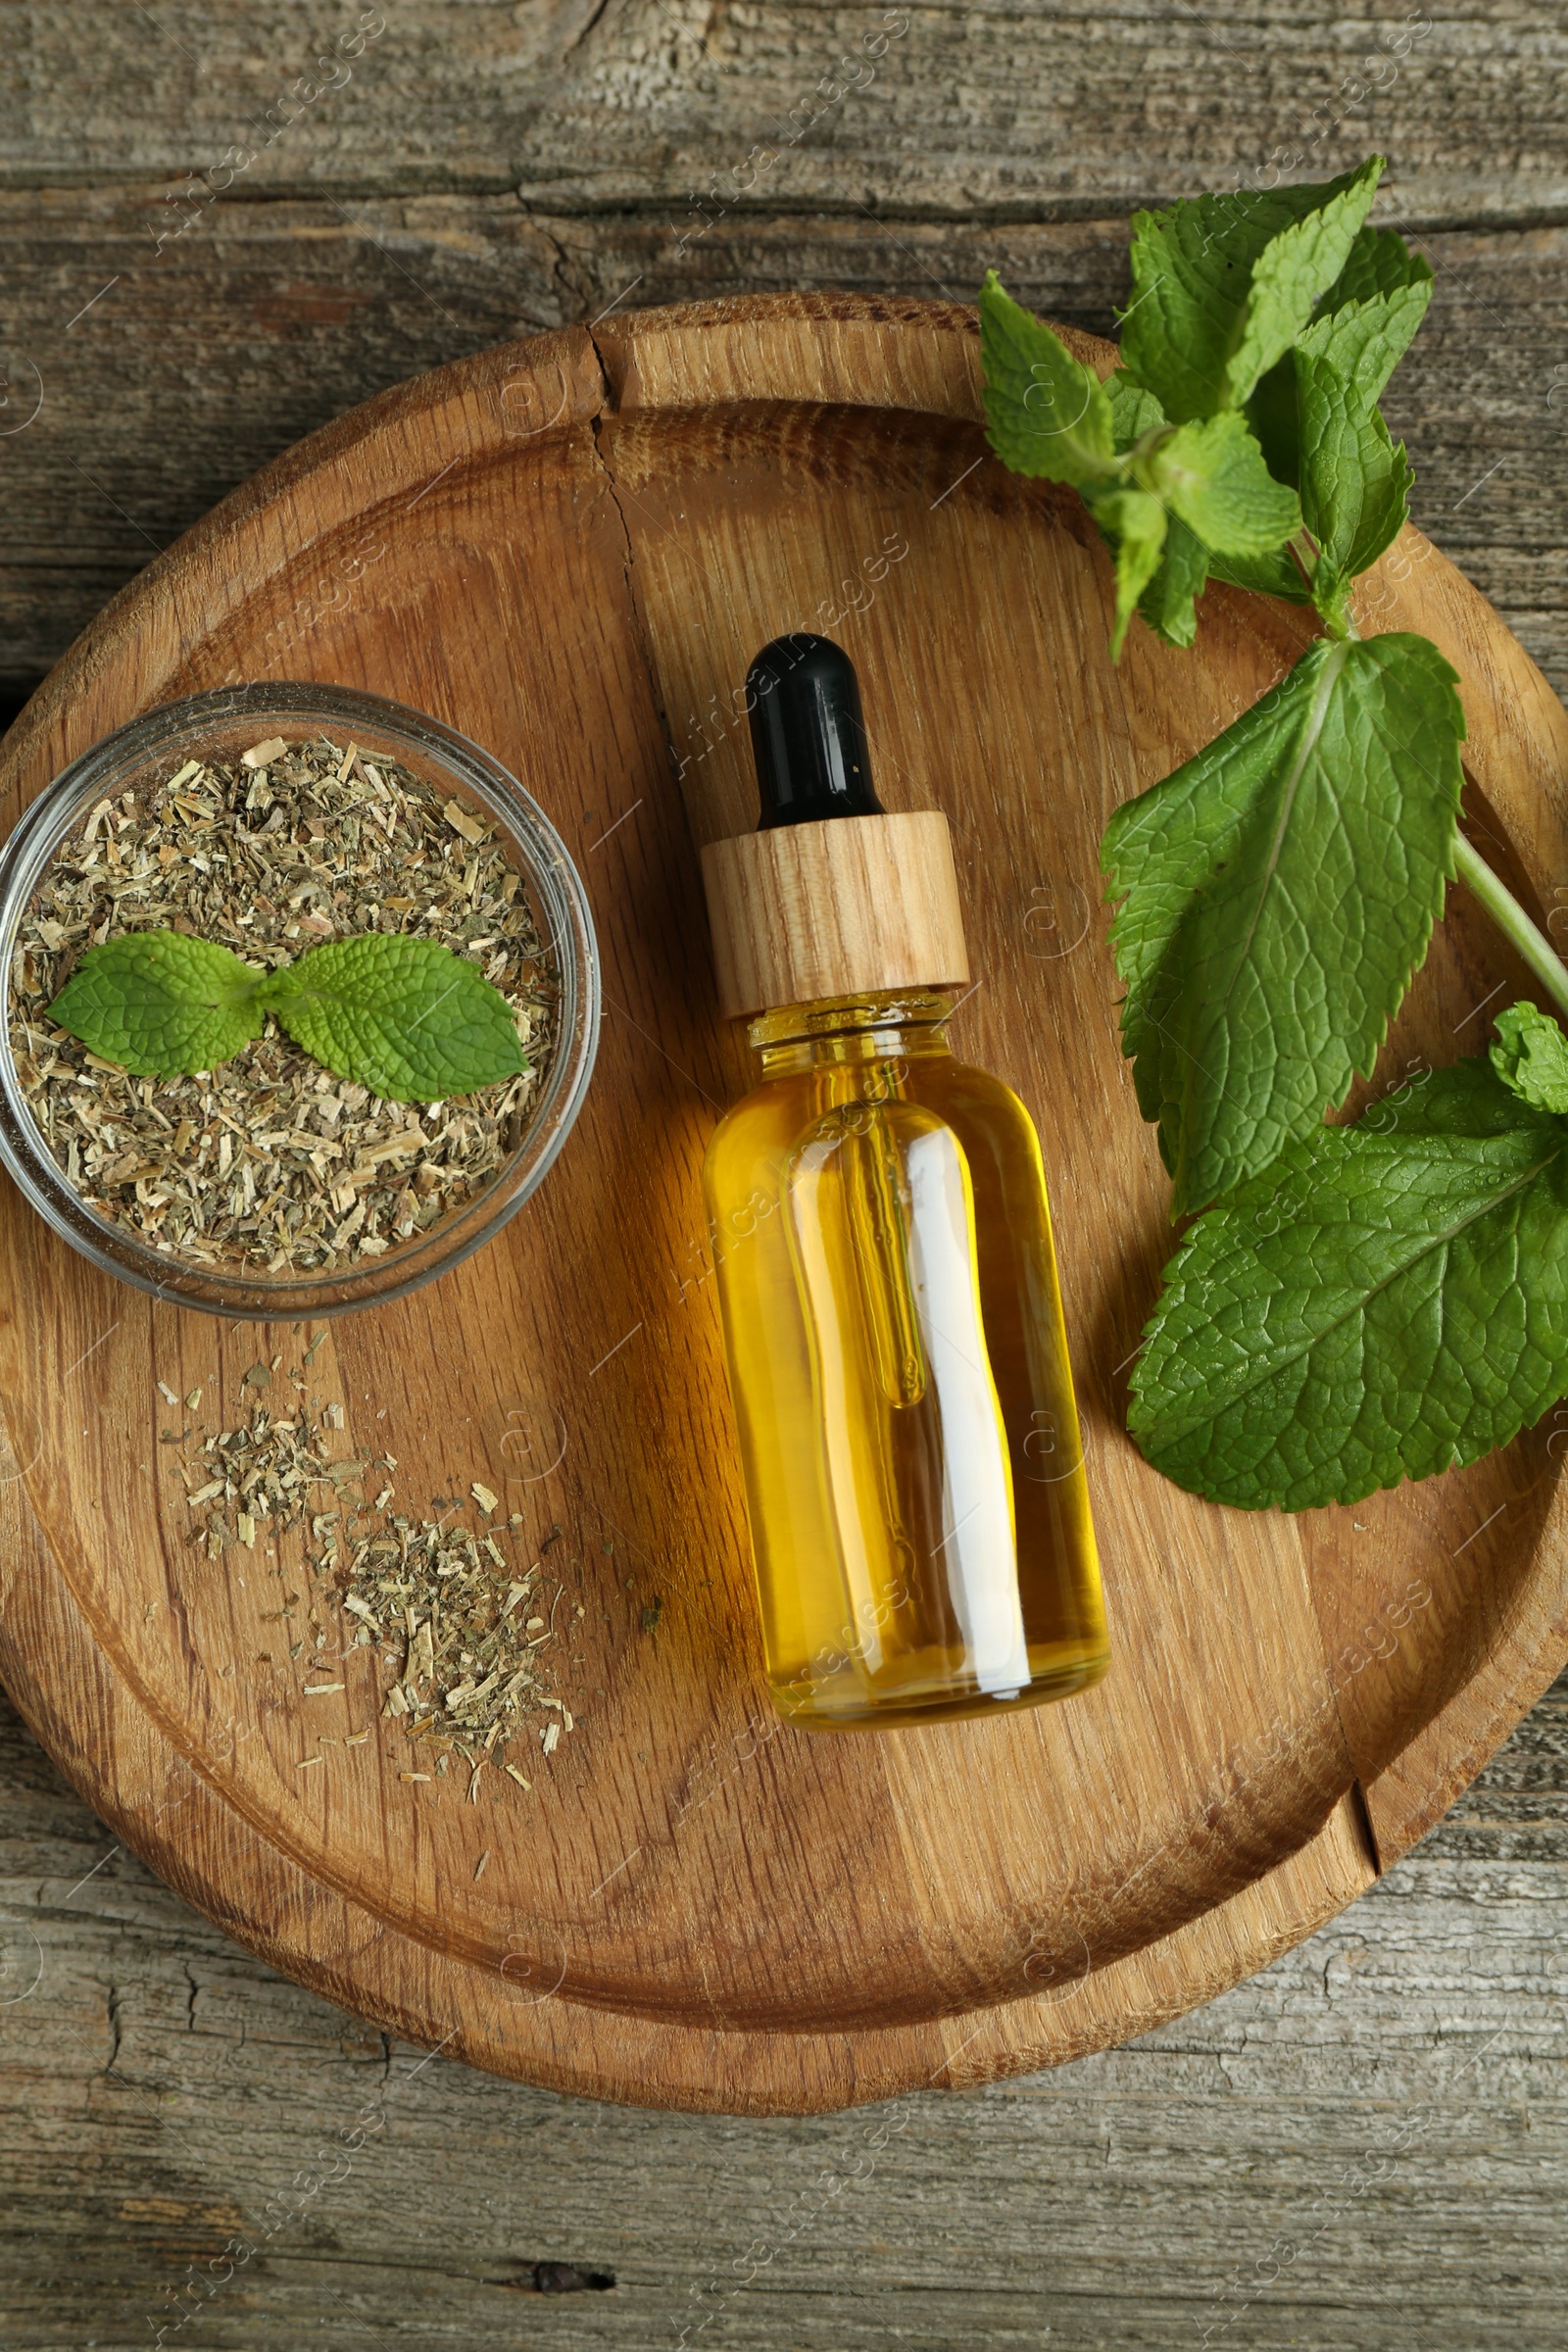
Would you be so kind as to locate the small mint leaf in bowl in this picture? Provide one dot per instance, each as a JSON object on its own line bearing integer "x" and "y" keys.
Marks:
{"x": 406, "y": 1018}
{"x": 161, "y": 1004}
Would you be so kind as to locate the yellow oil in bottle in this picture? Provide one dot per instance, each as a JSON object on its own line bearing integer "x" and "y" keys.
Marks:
{"x": 893, "y": 1325}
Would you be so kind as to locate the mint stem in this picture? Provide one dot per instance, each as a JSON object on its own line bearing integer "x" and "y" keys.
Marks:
{"x": 1299, "y": 545}
{"x": 1537, "y": 952}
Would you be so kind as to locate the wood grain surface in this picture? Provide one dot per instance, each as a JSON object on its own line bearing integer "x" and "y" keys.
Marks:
{"x": 1388, "y": 2098}
{"x": 1359, "y": 2151}
{"x": 562, "y": 547}
{"x": 486, "y": 171}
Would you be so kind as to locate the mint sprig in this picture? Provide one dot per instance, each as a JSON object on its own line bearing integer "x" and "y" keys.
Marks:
{"x": 405, "y": 1017}
{"x": 1143, "y": 479}
{"x": 1281, "y": 889}
{"x": 1375, "y": 1301}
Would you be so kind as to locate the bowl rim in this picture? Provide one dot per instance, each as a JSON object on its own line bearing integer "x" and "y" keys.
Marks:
{"x": 560, "y": 896}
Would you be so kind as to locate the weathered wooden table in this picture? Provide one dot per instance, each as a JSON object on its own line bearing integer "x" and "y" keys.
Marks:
{"x": 1366, "y": 2146}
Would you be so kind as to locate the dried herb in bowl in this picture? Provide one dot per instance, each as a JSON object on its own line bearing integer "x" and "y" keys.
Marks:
{"x": 268, "y": 1159}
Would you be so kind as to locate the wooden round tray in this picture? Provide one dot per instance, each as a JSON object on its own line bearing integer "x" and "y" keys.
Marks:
{"x": 570, "y": 547}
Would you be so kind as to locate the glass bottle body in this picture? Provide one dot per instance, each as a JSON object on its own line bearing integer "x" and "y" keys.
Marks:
{"x": 907, "y": 1430}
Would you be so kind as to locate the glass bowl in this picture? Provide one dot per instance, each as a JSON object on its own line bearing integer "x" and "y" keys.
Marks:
{"x": 220, "y": 725}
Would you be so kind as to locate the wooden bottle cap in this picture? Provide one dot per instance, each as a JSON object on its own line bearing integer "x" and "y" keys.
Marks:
{"x": 836, "y": 909}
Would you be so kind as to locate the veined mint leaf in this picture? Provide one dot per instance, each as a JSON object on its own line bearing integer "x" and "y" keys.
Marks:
{"x": 1531, "y": 1055}
{"x": 1212, "y": 476}
{"x": 1217, "y": 491}
{"x": 409, "y": 1019}
{"x": 1047, "y": 414}
{"x": 1276, "y": 574}
{"x": 1133, "y": 410}
{"x": 1363, "y": 342}
{"x": 1290, "y": 274}
{"x": 1379, "y": 262}
{"x": 1134, "y": 522}
{"x": 1316, "y": 421}
{"x": 1390, "y": 1299}
{"x": 1279, "y": 891}
{"x": 404, "y": 1016}
{"x": 1223, "y": 284}
{"x": 160, "y": 1004}
{"x": 1354, "y": 480}
{"x": 1265, "y": 571}
{"x": 1392, "y": 288}
{"x": 1170, "y": 604}
{"x": 1360, "y": 493}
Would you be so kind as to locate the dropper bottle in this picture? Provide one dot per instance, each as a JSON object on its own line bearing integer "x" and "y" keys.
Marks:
{"x": 893, "y": 1329}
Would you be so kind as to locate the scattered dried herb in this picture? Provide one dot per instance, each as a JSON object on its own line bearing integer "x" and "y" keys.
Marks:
{"x": 268, "y": 1160}
{"x": 471, "y": 1634}
{"x": 462, "y": 1630}
{"x": 267, "y": 1469}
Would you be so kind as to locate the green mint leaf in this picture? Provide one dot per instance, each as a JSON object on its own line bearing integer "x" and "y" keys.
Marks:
{"x": 1223, "y": 284}
{"x": 1358, "y": 487}
{"x": 1379, "y": 262}
{"x": 1047, "y": 414}
{"x": 1379, "y": 270}
{"x": 1362, "y": 342}
{"x": 1321, "y": 400}
{"x": 1354, "y": 480}
{"x": 1279, "y": 891}
{"x": 1531, "y": 1055}
{"x": 161, "y": 1004}
{"x": 409, "y": 1019}
{"x": 1271, "y": 414}
{"x": 1215, "y": 487}
{"x": 1276, "y": 574}
{"x": 1133, "y": 410}
{"x": 1293, "y": 273}
{"x": 1213, "y": 476}
{"x": 1170, "y": 604}
{"x": 1134, "y": 523}
{"x": 1391, "y": 1300}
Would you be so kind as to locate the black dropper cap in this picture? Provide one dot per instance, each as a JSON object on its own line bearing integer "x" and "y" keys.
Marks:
{"x": 807, "y": 734}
